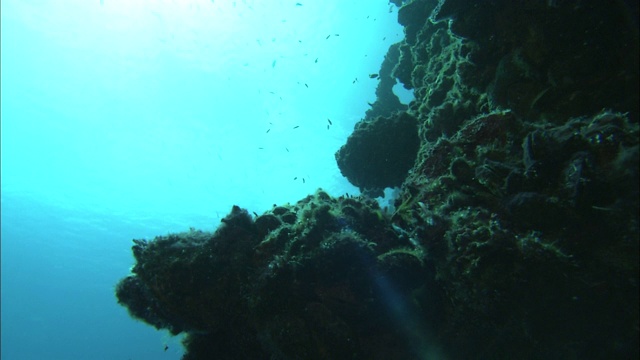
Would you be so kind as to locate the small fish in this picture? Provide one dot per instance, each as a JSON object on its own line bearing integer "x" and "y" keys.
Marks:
{"x": 295, "y": 178}
{"x": 336, "y": 34}
{"x": 273, "y": 64}
{"x": 373, "y": 76}
{"x": 268, "y": 131}
{"x": 354, "y": 81}
{"x": 287, "y": 149}
{"x": 305, "y": 84}
{"x": 316, "y": 60}
{"x": 255, "y": 213}
{"x": 329, "y": 120}
{"x": 303, "y": 180}
{"x": 166, "y": 347}
{"x": 327, "y": 127}
{"x": 260, "y": 148}
{"x": 297, "y": 126}
{"x": 328, "y": 36}
{"x": 384, "y": 38}
{"x": 370, "y": 104}
{"x": 298, "y": 4}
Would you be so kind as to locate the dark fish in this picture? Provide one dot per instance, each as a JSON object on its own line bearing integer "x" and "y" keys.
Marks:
{"x": 286, "y": 149}
{"x": 166, "y": 347}
{"x": 305, "y": 84}
{"x": 273, "y": 64}
{"x": 261, "y": 148}
{"x": 297, "y": 126}
{"x": 336, "y": 34}
{"x": 329, "y": 120}
{"x": 303, "y": 180}
{"x": 268, "y": 131}
{"x": 327, "y": 127}
{"x": 255, "y": 213}
{"x": 373, "y": 76}
{"x": 328, "y": 36}
{"x": 316, "y": 60}
{"x": 295, "y": 178}
{"x": 370, "y": 104}
{"x": 354, "y": 81}
{"x": 298, "y": 4}
{"x": 384, "y": 38}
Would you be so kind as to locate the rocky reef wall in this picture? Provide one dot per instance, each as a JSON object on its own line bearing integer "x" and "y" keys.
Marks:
{"x": 515, "y": 233}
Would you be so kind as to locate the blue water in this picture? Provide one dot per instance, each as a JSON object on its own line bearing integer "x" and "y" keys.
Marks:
{"x": 130, "y": 119}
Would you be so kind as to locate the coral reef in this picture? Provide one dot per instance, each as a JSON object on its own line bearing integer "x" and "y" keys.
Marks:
{"x": 379, "y": 152}
{"x": 386, "y": 102}
{"x": 325, "y": 278}
{"x": 515, "y": 233}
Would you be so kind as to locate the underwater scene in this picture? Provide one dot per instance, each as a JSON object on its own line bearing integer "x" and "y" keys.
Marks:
{"x": 284, "y": 180}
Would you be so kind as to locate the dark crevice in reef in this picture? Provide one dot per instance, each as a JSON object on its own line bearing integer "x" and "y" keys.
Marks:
{"x": 515, "y": 233}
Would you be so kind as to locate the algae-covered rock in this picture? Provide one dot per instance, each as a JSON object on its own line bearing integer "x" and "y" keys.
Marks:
{"x": 322, "y": 287}
{"x": 380, "y": 152}
{"x": 515, "y": 234}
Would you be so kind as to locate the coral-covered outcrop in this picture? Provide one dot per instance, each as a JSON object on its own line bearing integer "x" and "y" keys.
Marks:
{"x": 386, "y": 102}
{"x": 515, "y": 234}
{"x": 379, "y": 152}
{"x": 325, "y": 278}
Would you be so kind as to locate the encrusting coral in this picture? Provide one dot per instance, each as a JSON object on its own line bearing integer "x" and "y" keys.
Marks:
{"x": 515, "y": 233}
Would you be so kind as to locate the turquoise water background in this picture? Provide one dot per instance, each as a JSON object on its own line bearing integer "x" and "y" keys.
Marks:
{"x": 127, "y": 119}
